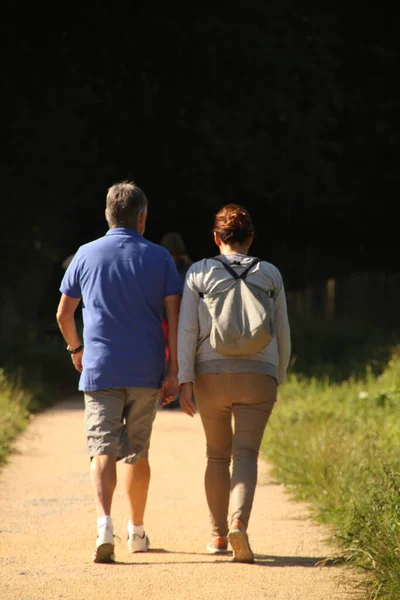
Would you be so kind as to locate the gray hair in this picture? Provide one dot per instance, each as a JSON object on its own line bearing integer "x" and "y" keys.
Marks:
{"x": 125, "y": 202}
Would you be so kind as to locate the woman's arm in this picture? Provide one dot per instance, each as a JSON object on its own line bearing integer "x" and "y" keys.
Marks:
{"x": 282, "y": 330}
{"x": 188, "y": 333}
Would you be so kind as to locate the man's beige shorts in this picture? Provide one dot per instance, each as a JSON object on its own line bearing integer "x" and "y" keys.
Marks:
{"x": 119, "y": 421}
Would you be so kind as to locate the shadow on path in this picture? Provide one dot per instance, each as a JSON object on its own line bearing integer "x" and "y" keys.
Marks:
{"x": 296, "y": 561}
{"x": 261, "y": 560}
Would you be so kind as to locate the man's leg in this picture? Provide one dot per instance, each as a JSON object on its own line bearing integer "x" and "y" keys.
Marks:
{"x": 105, "y": 433}
{"x": 141, "y": 411}
{"x": 103, "y": 474}
{"x": 137, "y": 480}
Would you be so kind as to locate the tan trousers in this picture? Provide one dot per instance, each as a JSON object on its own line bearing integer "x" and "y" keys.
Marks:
{"x": 249, "y": 398}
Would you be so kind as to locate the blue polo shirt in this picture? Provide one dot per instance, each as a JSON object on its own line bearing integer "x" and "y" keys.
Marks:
{"x": 122, "y": 279}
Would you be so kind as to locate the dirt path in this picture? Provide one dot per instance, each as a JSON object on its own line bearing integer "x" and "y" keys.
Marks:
{"x": 47, "y": 527}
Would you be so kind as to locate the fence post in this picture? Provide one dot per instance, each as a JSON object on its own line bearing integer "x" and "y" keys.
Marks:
{"x": 330, "y": 290}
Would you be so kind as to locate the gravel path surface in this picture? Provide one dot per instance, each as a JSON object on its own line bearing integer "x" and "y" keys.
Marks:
{"x": 48, "y": 525}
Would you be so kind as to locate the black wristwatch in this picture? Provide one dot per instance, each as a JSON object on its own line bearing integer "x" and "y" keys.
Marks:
{"x": 75, "y": 350}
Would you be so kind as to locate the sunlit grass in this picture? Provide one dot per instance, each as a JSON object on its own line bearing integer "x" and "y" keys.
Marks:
{"x": 39, "y": 377}
{"x": 13, "y": 414}
{"x": 338, "y": 446}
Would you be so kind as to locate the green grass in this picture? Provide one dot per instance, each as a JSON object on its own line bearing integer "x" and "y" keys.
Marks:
{"x": 337, "y": 445}
{"x": 14, "y": 414}
{"x": 34, "y": 379}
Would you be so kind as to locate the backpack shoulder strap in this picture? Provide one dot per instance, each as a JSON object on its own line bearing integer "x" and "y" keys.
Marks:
{"x": 232, "y": 272}
{"x": 228, "y": 268}
{"x": 246, "y": 272}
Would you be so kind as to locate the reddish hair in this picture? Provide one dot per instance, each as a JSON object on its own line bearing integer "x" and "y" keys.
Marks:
{"x": 233, "y": 224}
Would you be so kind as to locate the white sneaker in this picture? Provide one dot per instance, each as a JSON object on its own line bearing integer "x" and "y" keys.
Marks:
{"x": 137, "y": 543}
{"x": 104, "y": 552}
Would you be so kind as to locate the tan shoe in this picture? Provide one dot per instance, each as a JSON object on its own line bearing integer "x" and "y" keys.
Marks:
{"x": 239, "y": 541}
{"x": 218, "y": 545}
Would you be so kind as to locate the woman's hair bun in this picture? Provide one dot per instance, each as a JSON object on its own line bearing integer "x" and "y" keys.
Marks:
{"x": 233, "y": 224}
{"x": 236, "y": 218}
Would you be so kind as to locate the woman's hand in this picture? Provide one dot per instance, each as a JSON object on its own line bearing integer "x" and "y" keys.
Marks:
{"x": 186, "y": 399}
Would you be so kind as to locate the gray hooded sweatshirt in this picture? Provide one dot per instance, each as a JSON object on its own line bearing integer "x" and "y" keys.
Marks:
{"x": 195, "y": 354}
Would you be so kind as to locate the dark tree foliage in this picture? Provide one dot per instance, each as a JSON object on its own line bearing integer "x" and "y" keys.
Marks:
{"x": 288, "y": 108}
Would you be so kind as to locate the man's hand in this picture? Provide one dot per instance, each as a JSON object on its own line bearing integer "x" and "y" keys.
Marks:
{"x": 77, "y": 360}
{"x": 169, "y": 388}
{"x": 186, "y": 399}
{"x": 66, "y": 322}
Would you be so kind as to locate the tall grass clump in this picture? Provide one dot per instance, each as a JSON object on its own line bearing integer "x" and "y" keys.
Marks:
{"x": 337, "y": 445}
{"x": 31, "y": 379}
{"x": 14, "y": 414}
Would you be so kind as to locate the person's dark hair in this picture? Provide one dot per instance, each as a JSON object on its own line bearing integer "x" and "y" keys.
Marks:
{"x": 233, "y": 224}
{"x": 125, "y": 202}
{"x": 174, "y": 243}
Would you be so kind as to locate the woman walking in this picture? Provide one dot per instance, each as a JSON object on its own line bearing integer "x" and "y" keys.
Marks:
{"x": 240, "y": 388}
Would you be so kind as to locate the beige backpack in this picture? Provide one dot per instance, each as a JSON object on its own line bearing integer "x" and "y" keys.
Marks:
{"x": 241, "y": 315}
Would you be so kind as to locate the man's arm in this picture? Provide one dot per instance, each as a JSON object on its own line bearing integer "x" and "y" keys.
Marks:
{"x": 172, "y": 304}
{"x": 66, "y": 322}
{"x": 170, "y": 387}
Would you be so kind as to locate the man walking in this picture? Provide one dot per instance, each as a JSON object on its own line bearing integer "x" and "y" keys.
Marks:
{"x": 124, "y": 282}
